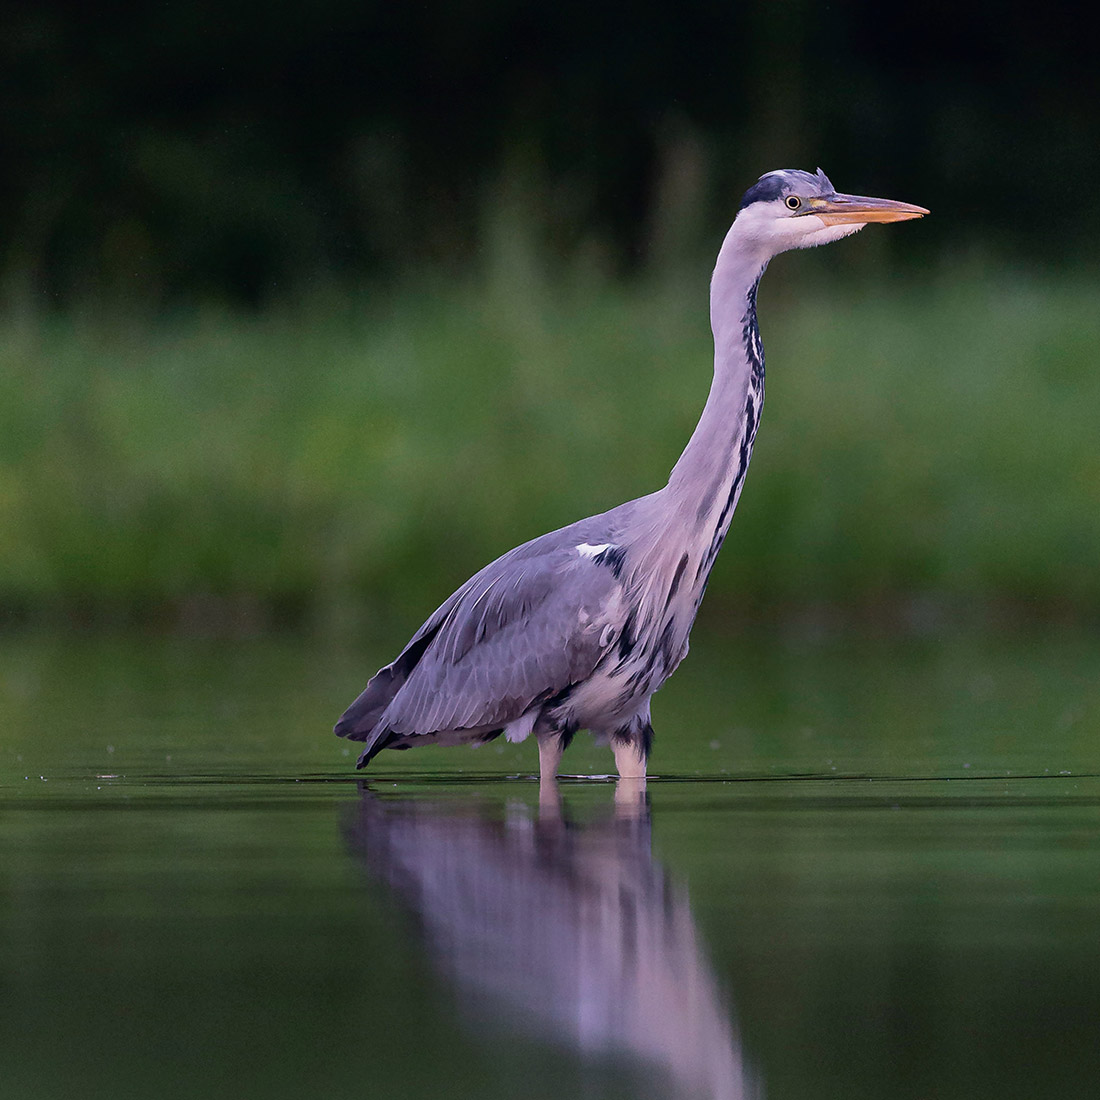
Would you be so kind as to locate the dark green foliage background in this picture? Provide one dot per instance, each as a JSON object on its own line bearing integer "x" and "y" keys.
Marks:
{"x": 243, "y": 149}
{"x": 307, "y": 311}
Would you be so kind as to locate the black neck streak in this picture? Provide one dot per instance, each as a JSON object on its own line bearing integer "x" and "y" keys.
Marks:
{"x": 754, "y": 400}
{"x": 750, "y": 338}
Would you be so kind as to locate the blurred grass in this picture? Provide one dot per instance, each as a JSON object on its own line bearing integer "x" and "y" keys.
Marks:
{"x": 924, "y": 447}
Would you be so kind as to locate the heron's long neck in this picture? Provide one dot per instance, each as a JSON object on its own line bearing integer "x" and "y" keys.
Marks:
{"x": 706, "y": 481}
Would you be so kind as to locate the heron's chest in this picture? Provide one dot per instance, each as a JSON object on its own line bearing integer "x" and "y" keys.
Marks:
{"x": 649, "y": 649}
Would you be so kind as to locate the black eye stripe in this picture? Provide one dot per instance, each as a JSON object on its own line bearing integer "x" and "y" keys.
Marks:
{"x": 764, "y": 190}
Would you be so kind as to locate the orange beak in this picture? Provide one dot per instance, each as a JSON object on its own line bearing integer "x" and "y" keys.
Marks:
{"x": 849, "y": 209}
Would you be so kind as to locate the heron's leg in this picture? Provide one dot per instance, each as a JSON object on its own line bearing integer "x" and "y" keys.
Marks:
{"x": 629, "y": 758}
{"x": 631, "y": 747}
{"x": 550, "y": 749}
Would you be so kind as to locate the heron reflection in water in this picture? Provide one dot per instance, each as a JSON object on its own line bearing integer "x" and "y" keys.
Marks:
{"x": 572, "y": 931}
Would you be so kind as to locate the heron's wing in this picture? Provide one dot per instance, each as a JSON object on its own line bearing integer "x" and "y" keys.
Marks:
{"x": 528, "y": 631}
{"x": 524, "y": 628}
{"x": 357, "y": 722}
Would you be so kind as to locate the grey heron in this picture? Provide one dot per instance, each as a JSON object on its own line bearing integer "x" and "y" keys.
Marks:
{"x": 579, "y": 627}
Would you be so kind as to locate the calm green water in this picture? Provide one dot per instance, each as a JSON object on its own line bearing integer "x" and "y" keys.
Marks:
{"x": 864, "y": 870}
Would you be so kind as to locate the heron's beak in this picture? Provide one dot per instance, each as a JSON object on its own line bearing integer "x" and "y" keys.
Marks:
{"x": 849, "y": 209}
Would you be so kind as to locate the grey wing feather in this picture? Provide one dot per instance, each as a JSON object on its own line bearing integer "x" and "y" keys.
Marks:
{"x": 526, "y": 627}
{"x": 357, "y": 722}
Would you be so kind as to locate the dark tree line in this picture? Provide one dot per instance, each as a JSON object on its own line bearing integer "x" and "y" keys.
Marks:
{"x": 239, "y": 149}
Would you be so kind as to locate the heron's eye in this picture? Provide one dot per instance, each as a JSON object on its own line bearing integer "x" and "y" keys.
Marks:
{"x": 793, "y": 202}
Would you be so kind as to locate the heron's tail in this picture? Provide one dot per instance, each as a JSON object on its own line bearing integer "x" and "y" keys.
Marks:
{"x": 380, "y": 739}
{"x": 362, "y": 721}
{"x": 359, "y": 721}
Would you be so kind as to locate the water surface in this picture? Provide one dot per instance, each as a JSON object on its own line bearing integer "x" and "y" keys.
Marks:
{"x": 863, "y": 870}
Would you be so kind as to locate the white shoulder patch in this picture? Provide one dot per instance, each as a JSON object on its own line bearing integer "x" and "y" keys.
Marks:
{"x": 587, "y": 550}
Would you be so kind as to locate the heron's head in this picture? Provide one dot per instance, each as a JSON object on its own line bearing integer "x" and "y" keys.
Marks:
{"x": 794, "y": 209}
